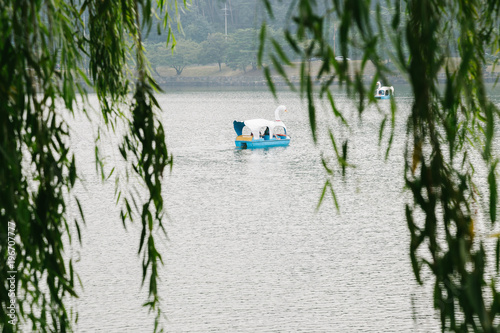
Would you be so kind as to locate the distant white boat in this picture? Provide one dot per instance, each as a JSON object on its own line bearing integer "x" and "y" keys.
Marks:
{"x": 384, "y": 92}
{"x": 263, "y": 133}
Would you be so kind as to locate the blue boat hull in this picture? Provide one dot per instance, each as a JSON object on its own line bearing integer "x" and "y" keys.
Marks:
{"x": 382, "y": 97}
{"x": 261, "y": 143}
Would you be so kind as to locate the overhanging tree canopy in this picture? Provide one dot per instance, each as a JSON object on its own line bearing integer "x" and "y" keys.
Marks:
{"x": 447, "y": 122}
{"x": 43, "y": 47}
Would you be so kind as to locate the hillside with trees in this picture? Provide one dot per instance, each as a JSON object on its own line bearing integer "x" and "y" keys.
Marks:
{"x": 215, "y": 32}
{"x": 226, "y": 34}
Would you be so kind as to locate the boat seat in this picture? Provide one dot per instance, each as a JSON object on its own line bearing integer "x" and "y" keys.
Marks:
{"x": 244, "y": 138}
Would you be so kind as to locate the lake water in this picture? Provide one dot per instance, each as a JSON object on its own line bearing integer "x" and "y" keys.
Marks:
{"x": 247, "y": 251}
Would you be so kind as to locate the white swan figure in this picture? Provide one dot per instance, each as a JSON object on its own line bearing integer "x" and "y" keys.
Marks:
{"x": 383, "y": 92}
{"x": 278, "y": 111}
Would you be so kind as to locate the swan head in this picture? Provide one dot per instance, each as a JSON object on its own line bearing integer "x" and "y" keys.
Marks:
{"x": 278, "y": 110}
{"x": 378, "y": 85}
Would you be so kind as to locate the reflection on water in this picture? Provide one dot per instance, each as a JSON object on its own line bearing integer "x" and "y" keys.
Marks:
{"x": 247, "y": 250}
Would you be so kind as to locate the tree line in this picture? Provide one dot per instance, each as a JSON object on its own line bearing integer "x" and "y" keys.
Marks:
{"x": 237, "y": 50}
{"x": 202, "y": 39}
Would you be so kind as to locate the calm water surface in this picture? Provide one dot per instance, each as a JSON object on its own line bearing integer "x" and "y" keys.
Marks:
{"x": 247, "y": 251}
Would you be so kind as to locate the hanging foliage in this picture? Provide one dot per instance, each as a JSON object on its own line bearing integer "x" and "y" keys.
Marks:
{"x": 46, "y": 48}
{"x": 451, "y": 117}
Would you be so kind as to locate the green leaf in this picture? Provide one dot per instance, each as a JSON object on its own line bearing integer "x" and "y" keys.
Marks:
{"x": 497, "y": 256}
{"x": 336, "y": 112}
{"x": 281, "y": 53}
{"x": 311, "y": 109}
{"x": 282, "y": 72}
{"x": 270, "y": 82}
{"x": 262, "y": 38}
{"x": 269, "y": 8}
{"x": 381, "y": 130}
{"x": 493, "y": 192}
{"x": 72, "y": 171}
{"x": 344, "y": 157}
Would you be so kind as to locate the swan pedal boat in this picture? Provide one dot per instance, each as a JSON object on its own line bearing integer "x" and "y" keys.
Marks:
{"x": 383, "y": 92}
{"x": 264, "y": 133}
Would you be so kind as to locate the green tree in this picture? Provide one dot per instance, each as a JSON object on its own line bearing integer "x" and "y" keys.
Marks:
{"x": 198, "y": 29}
{"x": 158, "y": 56}
{"x": 448, "y": 124}
{"x": 185, "y": 53}
{"x": 41, "y": 48}
{"x": 242, "y": 49}
{"x": 214, "y": 50}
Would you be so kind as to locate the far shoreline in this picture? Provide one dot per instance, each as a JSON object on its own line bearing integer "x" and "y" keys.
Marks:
{"x": 211, "y": 76}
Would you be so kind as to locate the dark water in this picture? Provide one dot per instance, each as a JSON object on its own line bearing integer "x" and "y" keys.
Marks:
{"x": 247, "y": 249}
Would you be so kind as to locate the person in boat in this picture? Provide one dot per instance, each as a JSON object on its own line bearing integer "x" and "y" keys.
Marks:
{"x": 279, "y": 136}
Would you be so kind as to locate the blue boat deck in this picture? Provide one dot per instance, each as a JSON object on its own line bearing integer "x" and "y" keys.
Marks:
{"x": 248, "y": 142}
